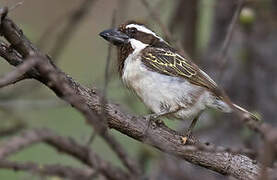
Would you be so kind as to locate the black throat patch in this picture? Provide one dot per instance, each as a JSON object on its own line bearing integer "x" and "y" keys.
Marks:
{"x": 122, "y": 54}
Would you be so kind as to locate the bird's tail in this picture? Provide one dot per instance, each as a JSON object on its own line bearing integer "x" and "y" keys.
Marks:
{"x": 246, "y": 113}
{"x": 226, "y": 105}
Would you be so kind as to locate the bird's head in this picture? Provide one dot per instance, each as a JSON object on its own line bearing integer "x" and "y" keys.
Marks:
{"x": 132, "y": 37}
{"x": 131, "y": 33}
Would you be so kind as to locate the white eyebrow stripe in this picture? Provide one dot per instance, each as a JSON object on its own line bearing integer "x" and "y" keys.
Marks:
{"x": 141, "y": 28}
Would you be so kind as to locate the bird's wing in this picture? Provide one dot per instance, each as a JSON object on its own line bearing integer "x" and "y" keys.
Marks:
{"x": 173, "y": 64}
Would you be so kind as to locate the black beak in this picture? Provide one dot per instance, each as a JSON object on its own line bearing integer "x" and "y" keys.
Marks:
{"x": 114, "y": 36}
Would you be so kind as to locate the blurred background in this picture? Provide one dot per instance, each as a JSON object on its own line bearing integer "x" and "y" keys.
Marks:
{"x": 245, "y": 65}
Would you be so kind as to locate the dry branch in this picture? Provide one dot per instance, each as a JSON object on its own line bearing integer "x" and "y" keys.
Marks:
{"x": 12, "y": 130}
{"x": 58, "y": 82}
{"x": 62, "y": 144}
{"x": 49, "y": 170}
{"x": 18, "y": 74}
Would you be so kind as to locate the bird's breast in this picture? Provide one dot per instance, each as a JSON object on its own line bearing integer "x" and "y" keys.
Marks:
{"x": 159, "y": 91}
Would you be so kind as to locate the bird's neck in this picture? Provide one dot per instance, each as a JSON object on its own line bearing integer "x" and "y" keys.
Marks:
{"x": 123, "y": 52}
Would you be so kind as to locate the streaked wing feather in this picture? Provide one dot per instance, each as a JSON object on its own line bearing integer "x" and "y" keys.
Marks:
{"x": 171, "y": 63}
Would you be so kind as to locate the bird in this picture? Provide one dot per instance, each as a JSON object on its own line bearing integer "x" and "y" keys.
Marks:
{"x": 166, "y": 82}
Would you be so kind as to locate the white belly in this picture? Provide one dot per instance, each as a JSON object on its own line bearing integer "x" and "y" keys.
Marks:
{"x": 159, "y": 91}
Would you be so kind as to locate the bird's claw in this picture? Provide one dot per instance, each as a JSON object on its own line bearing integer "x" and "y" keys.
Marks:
{"x": 152, "y": 121}
{"x": 188, "y": 133}
{"x": 184, "y": 140}
{"x": 150, "y": 117}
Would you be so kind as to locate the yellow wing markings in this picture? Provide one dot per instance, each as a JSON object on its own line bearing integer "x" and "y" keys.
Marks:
{"x": 186, "y": 64}
{"x": 153, "y": 59}
{"x": 178, "y": 64}
{"x": 182, "y": 62}
{"x": 173, "y": 64}
{"x": 161, "y": 69}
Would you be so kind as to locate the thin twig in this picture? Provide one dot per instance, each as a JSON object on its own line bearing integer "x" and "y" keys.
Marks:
{"x": 108, "y": 60}
{"x": 122, "y": 7}
{"x": 185, "y": 17}
{"x": 12, "y": 130}
{"x": 71, "y": 27}
{"x": 155, "y": 16}
{"x": 268, "y": 153}
{"x": 47, "y": 33}
{"x": 25, "y": 104}
{"x": 62, "y": 144}
{"x": 221, "y": 58}
{"x": 106, "y": 80}
{"x": 16, "y": 6}
{"x": 3, "y": 13}
{"x": 67, "y": 172}
{"x": 17, "y": 74}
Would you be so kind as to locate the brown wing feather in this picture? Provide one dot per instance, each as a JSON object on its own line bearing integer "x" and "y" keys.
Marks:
{"x": 171, "y": 63}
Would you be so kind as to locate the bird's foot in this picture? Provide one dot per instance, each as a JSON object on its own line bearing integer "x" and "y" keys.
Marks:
{"x": 152, "y": 121}
{"x": 184, "y": 140}
{"x": 150, "y": 117}
{"x": 189, "y": 133}
{"x": 191, "y": 127}
{"x": 186, "y": 136}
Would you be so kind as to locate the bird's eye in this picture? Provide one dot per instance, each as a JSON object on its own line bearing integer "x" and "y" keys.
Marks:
{"x": 132, "y": 31}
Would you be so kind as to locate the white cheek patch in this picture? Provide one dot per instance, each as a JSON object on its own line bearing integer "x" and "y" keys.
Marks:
{"x": 137, "y": 45}
{"x": 142, "y": 28}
